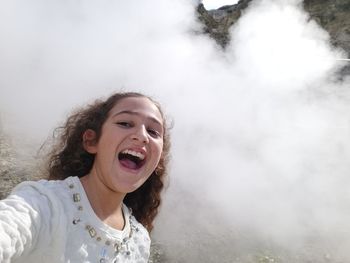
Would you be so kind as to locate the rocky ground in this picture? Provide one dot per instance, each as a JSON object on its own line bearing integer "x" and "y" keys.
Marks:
{"x": 11, "y": 171}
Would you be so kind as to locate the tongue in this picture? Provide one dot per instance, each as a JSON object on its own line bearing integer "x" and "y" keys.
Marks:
{"x": 128, "y": 163}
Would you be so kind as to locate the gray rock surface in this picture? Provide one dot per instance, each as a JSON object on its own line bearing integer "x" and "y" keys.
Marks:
{"x": 11, "y": 173}
{"x": 332, "y": 15}
{"x": 218, "y": 22}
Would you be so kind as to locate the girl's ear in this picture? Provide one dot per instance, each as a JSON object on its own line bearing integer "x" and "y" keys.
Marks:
{"x": 89, "y": 141}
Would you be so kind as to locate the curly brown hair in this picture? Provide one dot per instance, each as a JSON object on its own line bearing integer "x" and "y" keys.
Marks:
{"x": 69, "y": 158}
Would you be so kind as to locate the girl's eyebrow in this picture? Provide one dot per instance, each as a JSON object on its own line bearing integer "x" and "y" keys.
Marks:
{"x": 155, "y": 120}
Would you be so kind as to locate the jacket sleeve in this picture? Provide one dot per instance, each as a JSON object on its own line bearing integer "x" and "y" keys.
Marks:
{"x": 22, "y": 220}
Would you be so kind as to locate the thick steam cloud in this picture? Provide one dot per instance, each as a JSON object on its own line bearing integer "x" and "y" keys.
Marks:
{"x": 261, "y": 138}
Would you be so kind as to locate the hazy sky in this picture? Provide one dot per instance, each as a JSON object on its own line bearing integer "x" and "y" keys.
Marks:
{"x": 213, "y": 4}
{"x": 261, "y": 137}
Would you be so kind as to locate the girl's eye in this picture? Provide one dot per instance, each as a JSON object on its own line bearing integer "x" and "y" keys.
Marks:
{"x": 124, "y": 124}
{"x": 154, "y": 133}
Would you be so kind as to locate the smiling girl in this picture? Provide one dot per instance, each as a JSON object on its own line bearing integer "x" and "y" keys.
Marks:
{"x": 106, "y": 176}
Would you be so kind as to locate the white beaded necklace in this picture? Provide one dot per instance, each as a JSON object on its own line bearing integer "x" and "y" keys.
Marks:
{"x": 119, "y": 247}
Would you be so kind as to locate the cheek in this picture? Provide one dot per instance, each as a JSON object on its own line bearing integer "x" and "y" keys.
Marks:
{"x": 160, "y": 148}
{"x": 159, "y": 155}
{"x": 157, "y": 150}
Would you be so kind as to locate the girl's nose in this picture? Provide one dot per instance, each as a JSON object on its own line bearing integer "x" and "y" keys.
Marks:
{"x": 141, "y": 135}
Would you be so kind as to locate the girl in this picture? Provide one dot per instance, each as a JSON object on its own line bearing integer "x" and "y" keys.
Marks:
{"x": 106, "y": 172}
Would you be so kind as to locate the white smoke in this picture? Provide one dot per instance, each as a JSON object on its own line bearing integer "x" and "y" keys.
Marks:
{"x": 261, "y": 136}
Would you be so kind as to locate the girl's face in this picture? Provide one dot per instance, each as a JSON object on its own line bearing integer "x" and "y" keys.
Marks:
{"x": 130, "y": 145}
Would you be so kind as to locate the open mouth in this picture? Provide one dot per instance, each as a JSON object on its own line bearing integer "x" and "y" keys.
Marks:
{"x": 131, "y": 159}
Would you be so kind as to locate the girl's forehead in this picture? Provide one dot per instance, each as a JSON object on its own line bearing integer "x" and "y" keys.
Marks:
{"x": 137, "y": 105}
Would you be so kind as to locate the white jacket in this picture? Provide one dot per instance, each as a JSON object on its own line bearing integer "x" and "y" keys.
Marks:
{"x": 52, "y": 221}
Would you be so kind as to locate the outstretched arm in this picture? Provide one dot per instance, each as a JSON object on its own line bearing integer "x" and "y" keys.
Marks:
{"x": 21, "y": 222}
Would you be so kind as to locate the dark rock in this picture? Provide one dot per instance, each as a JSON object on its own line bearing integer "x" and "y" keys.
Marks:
{"x": 217, "y": 23}
{"x": 332, "y": 15}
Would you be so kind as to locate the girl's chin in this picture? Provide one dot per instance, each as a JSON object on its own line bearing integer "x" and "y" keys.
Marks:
{"x": 127, "y": 187}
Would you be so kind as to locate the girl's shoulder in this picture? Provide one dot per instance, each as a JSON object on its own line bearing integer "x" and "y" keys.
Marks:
{"x": 49, "y": 192}
{"x": 43, "y": 186}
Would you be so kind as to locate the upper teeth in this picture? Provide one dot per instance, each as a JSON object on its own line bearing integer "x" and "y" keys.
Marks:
{"x": 137, "y": 154}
